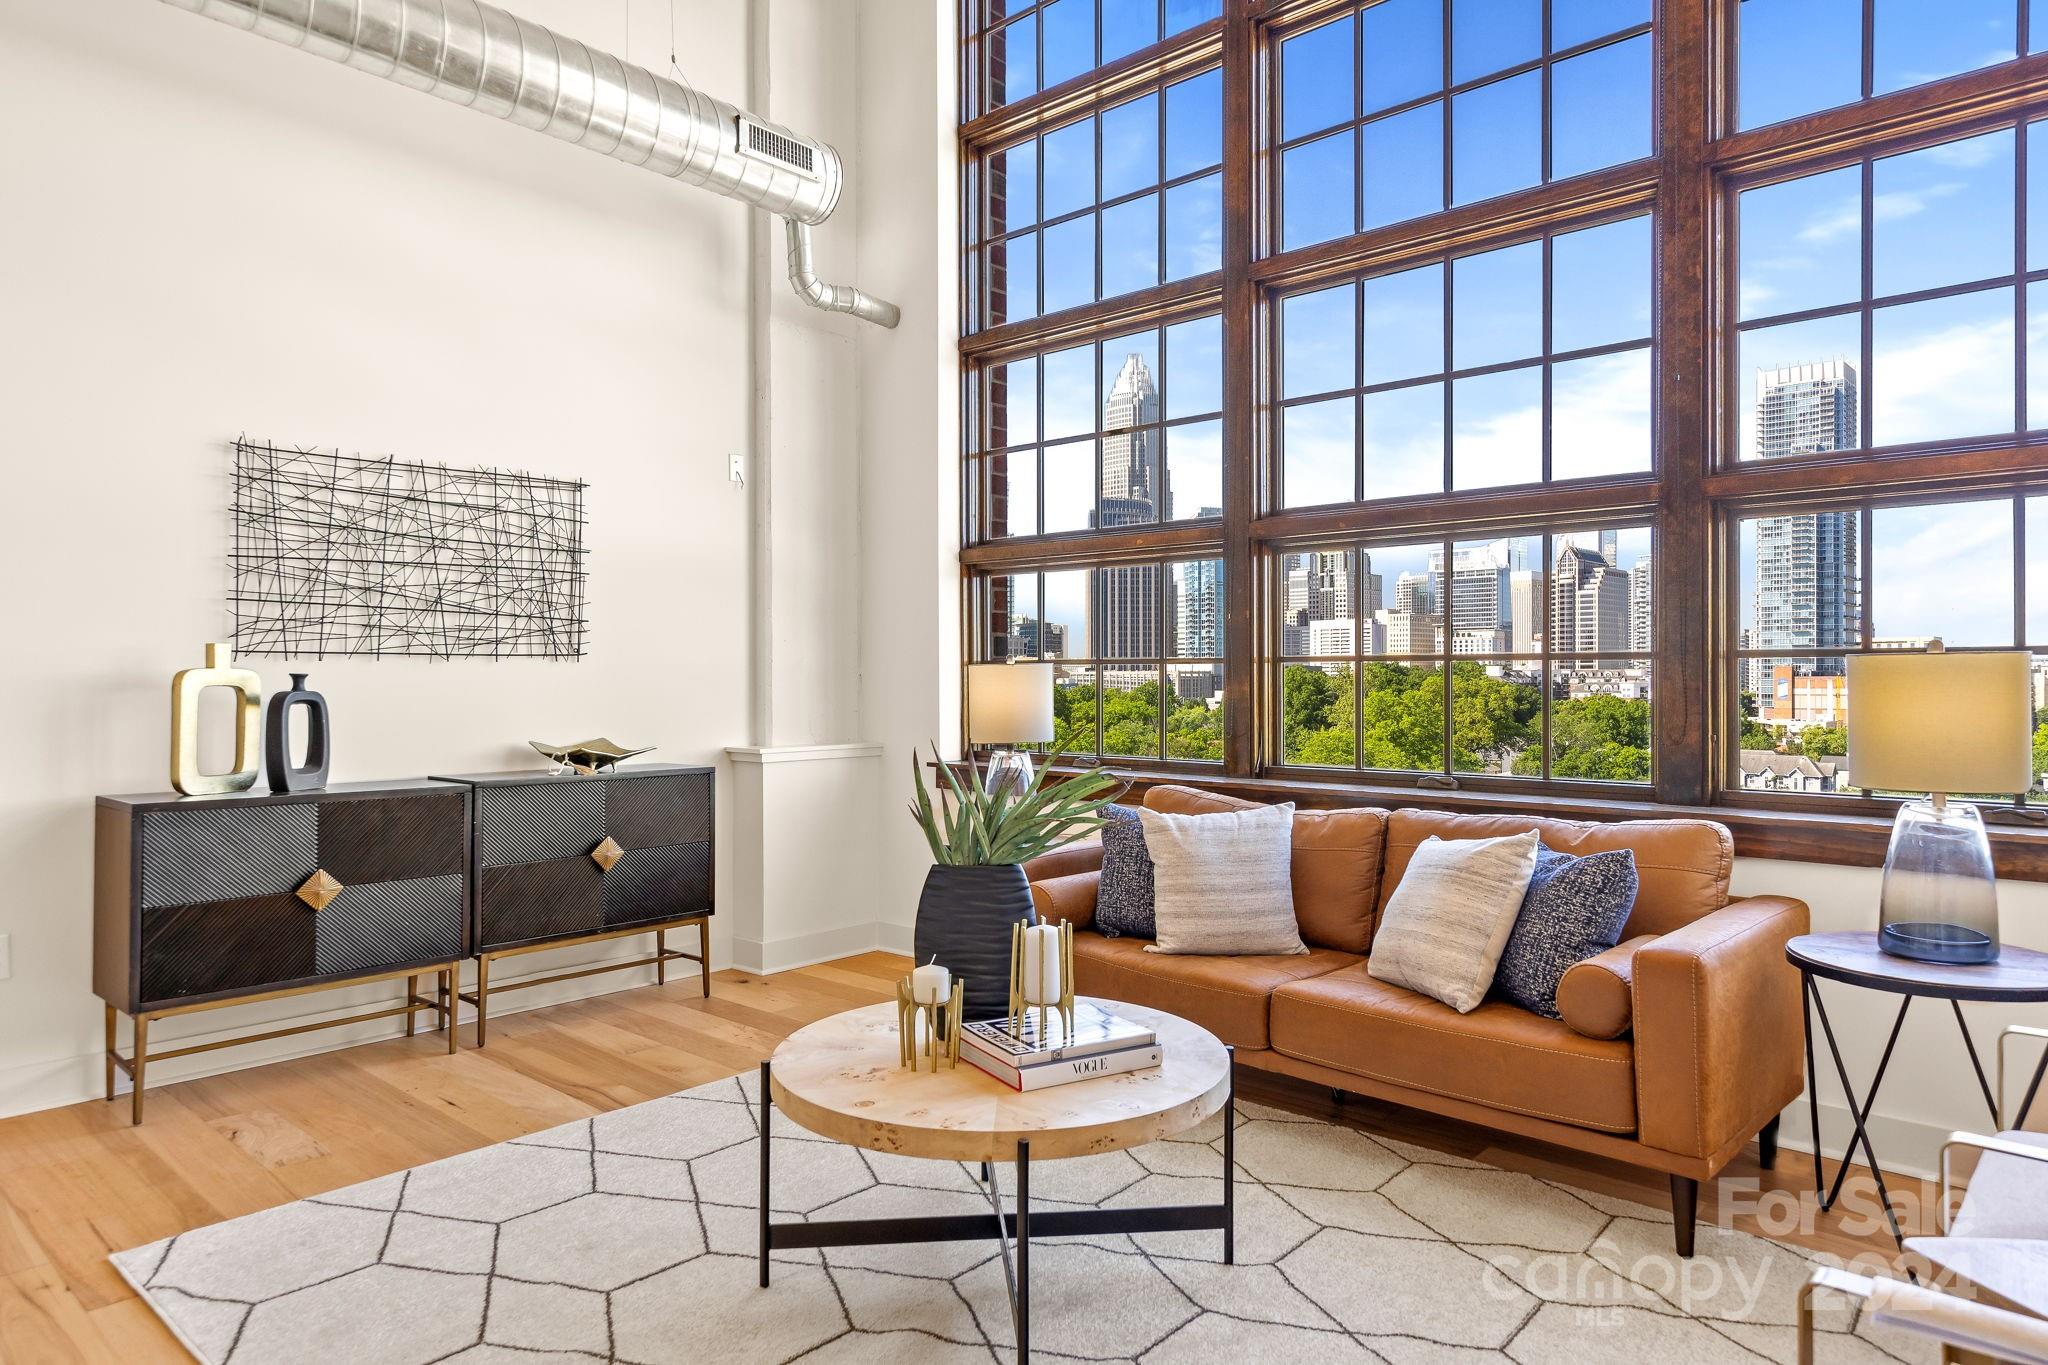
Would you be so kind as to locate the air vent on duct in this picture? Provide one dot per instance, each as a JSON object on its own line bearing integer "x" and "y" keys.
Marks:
{"x": 765, "y": 144}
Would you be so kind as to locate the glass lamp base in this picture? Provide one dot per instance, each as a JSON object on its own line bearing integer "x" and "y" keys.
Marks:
{"x": 1008, "y": 768}
{"x": 1940, "y": 899}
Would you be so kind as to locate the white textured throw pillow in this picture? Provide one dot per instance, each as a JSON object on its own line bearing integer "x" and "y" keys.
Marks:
{"x": 1223, "y": 883}
{"x": 1446, "y": 923}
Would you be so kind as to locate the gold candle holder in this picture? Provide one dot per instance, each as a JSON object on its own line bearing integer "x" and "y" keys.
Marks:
{"x": 1063, "y": 1005}
{"x": 928, "y": 1030}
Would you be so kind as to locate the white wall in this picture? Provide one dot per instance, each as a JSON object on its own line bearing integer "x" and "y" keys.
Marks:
{"x": 910, "y": 419}
{"x": 206, "y": 233}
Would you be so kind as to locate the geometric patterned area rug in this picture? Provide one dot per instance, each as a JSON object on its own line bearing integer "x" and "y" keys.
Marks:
{"x": 631, "y": 1237}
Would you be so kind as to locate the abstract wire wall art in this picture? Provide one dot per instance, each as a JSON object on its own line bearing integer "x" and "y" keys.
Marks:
{"x": 343, "y": 555}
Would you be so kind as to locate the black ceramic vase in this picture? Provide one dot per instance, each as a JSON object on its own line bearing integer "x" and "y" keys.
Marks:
{"x": 963, "y": 920}
{"x": 277, "y": 740}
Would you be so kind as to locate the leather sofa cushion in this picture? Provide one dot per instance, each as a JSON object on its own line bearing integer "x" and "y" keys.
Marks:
{"x": 1498, "y": 1055}
{"x": 1226, "y": 995}
{"x": 1595, "y": 996}
{"x": 1681, "y": 865}
{"x": 1335, "y": 867}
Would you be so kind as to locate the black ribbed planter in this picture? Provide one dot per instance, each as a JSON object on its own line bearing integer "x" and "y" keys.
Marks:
{"x": 964, "y": 919}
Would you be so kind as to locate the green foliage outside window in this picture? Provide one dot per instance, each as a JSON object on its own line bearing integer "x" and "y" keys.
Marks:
{"x": 1130, "y": 722}
{"x": 1496, "y": 723}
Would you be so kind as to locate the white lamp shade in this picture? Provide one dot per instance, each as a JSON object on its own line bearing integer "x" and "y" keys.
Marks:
{"x": 1009, "y": 703}
{"x": 1940, "y": 722}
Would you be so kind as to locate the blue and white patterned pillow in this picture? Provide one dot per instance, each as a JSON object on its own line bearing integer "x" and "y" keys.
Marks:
{"x": 1574, "y": 909}
{"x": 1123, "y": 898}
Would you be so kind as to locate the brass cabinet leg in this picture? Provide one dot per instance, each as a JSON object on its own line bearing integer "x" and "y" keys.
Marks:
{"x": 141, "y": 1060}
{"x": 412, "y": 990}
{"x": 660, "y": 961}
{"x": 704, "y": 952}
{"x": 483, "y": 994}
{"x": 110, "y": 1052}
{"x": 450, "y": 982}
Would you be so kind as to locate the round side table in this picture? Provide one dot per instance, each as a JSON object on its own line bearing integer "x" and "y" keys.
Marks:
{"x": 2019, "y": 976}
{"x": 841, "y": 1079}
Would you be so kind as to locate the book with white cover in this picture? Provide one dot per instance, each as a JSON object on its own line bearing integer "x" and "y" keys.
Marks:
{"x": 1095, "y": 1030}
{"x": 1043, "y": 1074}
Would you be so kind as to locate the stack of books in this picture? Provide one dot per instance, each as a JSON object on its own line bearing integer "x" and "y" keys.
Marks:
{"x": 1099, "y": 1044}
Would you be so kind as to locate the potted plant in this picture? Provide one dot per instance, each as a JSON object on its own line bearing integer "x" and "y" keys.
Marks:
{"x": 980, "y": 836}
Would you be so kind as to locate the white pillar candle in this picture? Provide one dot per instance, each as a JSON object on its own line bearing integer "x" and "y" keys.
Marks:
{"x": 931, "y": 984}
{"x": 1042, "y": 984}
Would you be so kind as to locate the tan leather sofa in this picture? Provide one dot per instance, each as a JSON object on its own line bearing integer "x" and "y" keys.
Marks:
{"x": 1678, "y": 1045}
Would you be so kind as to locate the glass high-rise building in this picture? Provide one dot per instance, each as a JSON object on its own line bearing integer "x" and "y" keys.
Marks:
{"x": 1808, "y": 592}
{"x": 1127, "y": 604}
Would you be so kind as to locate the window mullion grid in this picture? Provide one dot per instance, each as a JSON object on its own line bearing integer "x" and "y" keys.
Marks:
{"x": 1444, "y": 651}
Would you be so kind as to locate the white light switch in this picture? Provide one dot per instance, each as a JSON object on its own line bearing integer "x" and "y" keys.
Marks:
{"x": 736, "y": 468}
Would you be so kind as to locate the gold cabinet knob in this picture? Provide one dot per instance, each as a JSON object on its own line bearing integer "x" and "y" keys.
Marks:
{"x": 607, "y": 853}
{"x": 318, "y": 889}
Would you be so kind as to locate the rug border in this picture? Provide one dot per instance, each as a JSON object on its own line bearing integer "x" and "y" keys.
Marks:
{"x": 142, "y": 1293}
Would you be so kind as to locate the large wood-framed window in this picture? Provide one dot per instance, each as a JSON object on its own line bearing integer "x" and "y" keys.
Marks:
{"x": 1553, "y": 380}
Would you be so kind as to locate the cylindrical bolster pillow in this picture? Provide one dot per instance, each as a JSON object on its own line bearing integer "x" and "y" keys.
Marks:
{"x": 1594, "y": 995}
{"x": 1069, "y": 899}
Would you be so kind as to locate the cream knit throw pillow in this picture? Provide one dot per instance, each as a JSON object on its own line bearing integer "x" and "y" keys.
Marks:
{"x": 1222, "y": 883}
{"x": 1446, "y": 924}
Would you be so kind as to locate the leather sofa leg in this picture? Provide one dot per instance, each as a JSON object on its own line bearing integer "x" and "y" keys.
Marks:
{"x": 1767, "y": 1145}
{"x": 1685, "y": 1210}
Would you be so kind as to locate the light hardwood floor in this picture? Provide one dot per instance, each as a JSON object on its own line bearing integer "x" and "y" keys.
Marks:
{"x": 79, "y": 1183}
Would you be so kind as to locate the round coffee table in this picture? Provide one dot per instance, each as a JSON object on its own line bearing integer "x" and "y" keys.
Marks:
{"x": 840, "y": 1078}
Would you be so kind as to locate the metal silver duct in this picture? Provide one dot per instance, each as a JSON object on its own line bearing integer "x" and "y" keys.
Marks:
{"x": 475, "y": 54}
{"x": 833, "y": 298}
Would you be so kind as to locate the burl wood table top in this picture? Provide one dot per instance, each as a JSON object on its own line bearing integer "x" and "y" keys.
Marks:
{"x": 841, "y": 1079}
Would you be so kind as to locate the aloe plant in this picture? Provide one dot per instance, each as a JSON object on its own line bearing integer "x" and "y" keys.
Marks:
{"x": 980, "y": 827}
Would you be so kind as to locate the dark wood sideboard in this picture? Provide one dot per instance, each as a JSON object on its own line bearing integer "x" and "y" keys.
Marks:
{"x": 205, "y": 901}
{"x": 560, "y": 859}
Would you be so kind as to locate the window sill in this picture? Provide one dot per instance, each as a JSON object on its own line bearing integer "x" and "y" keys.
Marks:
{"x": 1854, "y": 840}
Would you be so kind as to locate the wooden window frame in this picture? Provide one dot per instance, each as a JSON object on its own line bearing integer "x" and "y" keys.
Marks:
{"x": 1692, "y": 498}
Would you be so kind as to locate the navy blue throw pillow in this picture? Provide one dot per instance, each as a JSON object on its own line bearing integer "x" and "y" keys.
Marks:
{"x": 1123, "y": 899}
{"x": 1574, "y": 909}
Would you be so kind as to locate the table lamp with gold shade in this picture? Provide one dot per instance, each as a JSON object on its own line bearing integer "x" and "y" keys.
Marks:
{"x": 1940, "y": 723}
{"x": 1007, "y": 705}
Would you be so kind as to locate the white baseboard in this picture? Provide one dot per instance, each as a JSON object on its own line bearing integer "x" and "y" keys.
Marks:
{"x": 803, "y": 950}
{"x": 61, "y": 1081}
{"x": 1904, "y": 1146}
{"x": 895, "y": 938}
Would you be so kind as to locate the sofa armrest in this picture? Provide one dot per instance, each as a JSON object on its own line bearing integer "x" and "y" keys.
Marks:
{"x": 1594, "y": 998}
{"x": 1069, "y": 899}
{"x": 1717, "y": 1027}
{"x": 1083, "y": 856}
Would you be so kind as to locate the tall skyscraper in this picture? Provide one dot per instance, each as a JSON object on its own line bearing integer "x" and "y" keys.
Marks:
{"x": 1127, "y": 598}
{"x": 1198, "y": 608}
{"x": 1477, "y": 592}
{"x": 1413, "y": 593}
{"x": 1589, "y": 603}
{"x": 1317, "y": 588}
{"x": 1808, "y": 590}
{"x": 1641, "y": 582}
{"x": 1525, "y": 611}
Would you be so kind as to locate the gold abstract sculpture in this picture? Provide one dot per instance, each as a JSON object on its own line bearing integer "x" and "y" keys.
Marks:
{"x": 587, "y": 755}
{"x": 928, "y": 1030}
{"x": 1043, "y": 992}
{"x": 185, "y": 689}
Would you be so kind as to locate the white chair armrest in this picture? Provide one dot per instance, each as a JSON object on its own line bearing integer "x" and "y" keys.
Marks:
{"x": 1979, "y": 1142}
{"x": 1916, "y": 1308}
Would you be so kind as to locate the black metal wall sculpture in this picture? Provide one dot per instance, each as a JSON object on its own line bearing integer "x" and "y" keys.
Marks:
{"x": 344, "y": 555}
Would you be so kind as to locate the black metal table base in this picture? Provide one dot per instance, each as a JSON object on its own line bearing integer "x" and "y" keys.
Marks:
{"x": 1013, "y": 1232}
{"x": 1859, "y": 1112}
